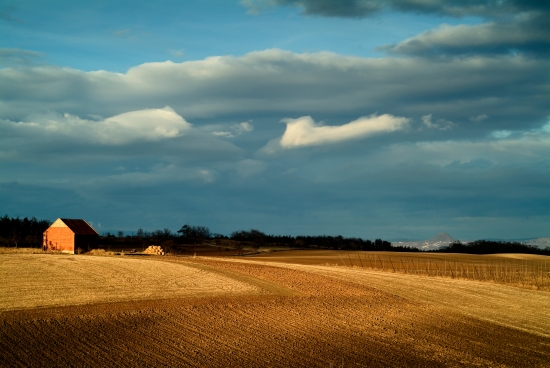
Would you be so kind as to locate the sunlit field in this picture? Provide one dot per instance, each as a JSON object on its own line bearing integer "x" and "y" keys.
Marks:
{"x": 521, "y": 270}
{"x": 279, "y": 309}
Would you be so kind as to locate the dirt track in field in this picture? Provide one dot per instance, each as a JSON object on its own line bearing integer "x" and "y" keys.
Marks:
{"x": 325, "y": 321}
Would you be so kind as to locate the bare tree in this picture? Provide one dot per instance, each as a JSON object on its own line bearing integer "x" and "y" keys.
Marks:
{"x": 239, "y": 247}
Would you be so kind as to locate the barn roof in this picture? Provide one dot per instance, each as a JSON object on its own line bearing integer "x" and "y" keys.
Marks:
{"x": 79, "y": 226}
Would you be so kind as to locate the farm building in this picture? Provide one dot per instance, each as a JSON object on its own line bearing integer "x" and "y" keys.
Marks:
{"x": 70, "y": 236}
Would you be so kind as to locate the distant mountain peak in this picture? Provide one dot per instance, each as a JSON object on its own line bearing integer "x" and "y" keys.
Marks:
{"x": 442, "y": 237}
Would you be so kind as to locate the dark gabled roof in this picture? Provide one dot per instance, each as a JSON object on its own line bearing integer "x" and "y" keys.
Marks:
{"x": 79, "y": 226}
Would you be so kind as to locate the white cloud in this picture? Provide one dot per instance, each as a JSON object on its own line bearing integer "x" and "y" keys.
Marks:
{"x": 223, "y": 134}
{"x": 243, "y": 127}
{"x": 441, "y": 124}
{"x": 238, "y": 129}
{"x": 523, "y": 150}
{"x": 141, "y": 125}
{"x": 151, "y": 124}
{"x": 303, "y": 131}
{"x": 501, "y": 133}
{"x": 277, "y": 83}
{"x": 478, "y": 118}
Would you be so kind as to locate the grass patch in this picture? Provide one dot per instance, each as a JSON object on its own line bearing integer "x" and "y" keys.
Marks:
{"x": 100, "y": 252}
{"x": 13, "y": 250}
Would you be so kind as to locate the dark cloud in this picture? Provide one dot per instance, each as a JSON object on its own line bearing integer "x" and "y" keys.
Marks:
{"x": 471, "y": 189}
{"x": 27, "y": 200}
{"x": 476, "y": 164}
{"x": 19, "y": 58}
{"x": 329, "y": 8}
{"x": 364, "y": 8}
{"x": 516, "y": 27}
{"x": 527, "y": 33}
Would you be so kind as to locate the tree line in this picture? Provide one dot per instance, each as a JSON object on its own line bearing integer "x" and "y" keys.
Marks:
{"x": 491, "y": 247}
{"x": 322, "y": 241}
{"x": 189, "y": 234}
{"x": 16, "y": 232}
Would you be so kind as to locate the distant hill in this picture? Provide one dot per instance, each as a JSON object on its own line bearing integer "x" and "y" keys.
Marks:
{"x": 438, "y": 241}
{"x": 441, "y": 237}
{"x": 444, "y": 239}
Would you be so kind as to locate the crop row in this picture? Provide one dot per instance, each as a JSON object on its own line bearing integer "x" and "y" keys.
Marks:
{"x": 531, "y": 274}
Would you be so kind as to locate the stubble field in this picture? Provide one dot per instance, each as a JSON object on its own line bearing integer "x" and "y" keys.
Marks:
{"x": 257, "y": 312}
{"x": 30, "y": 281}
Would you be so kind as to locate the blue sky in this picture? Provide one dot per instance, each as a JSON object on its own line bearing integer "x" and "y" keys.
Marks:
{"x": 395, "y": 119}
{"x": 116, "y": 36}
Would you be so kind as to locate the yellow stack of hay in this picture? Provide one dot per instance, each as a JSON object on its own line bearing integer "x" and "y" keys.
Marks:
{"x": 154, "y": 249}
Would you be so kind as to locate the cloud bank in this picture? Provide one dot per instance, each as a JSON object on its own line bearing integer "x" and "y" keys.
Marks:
{"x": 328, "y": 84}
{"x": 365, "y": 8}
{"x": 527, "y": 33}
{"x": 514, "y": 26}
{"x": 471, "y": 98}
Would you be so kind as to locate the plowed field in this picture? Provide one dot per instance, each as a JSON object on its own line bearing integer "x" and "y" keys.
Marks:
{"x": 507, "y": 305}
{"x": 283, "y": 317}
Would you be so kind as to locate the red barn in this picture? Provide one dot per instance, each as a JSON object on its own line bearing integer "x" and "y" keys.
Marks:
{"x": 70, "y": 235}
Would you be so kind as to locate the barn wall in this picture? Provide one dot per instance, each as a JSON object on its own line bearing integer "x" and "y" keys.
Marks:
{"x": 59, "y": 238}
{"x": 85, "y": 242}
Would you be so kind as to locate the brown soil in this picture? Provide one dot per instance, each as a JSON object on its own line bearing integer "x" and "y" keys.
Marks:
{"x": 302, "y": 318}
{"x": 510, "y": 306}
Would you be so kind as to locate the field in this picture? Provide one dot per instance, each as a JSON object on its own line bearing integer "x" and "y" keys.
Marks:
{"x": 30, "y": 281}
{"x": 520, "y": 270}
{"x": 506, "y": 305}
{"x": 279, "y": 309}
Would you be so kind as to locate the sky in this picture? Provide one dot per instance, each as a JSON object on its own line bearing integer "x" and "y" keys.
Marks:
{"x": 391, "y": 119}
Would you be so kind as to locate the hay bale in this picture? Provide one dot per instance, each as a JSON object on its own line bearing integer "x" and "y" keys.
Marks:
{"x": 154, "y": 249}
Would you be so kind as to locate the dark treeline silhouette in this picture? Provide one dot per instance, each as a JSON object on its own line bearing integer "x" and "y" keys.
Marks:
{"x": 340, "y": 242}
{"x": 189, "y": 234}
{"x": 16, "y": 232}
{"x": 195, "y": 233}
{"x": 491, "y": 247}
{"x": 141, "y": 238}
{"x": 324, "y": 242}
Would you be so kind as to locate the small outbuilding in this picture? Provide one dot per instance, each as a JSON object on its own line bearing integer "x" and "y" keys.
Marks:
{"x": 70, "y": 236}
